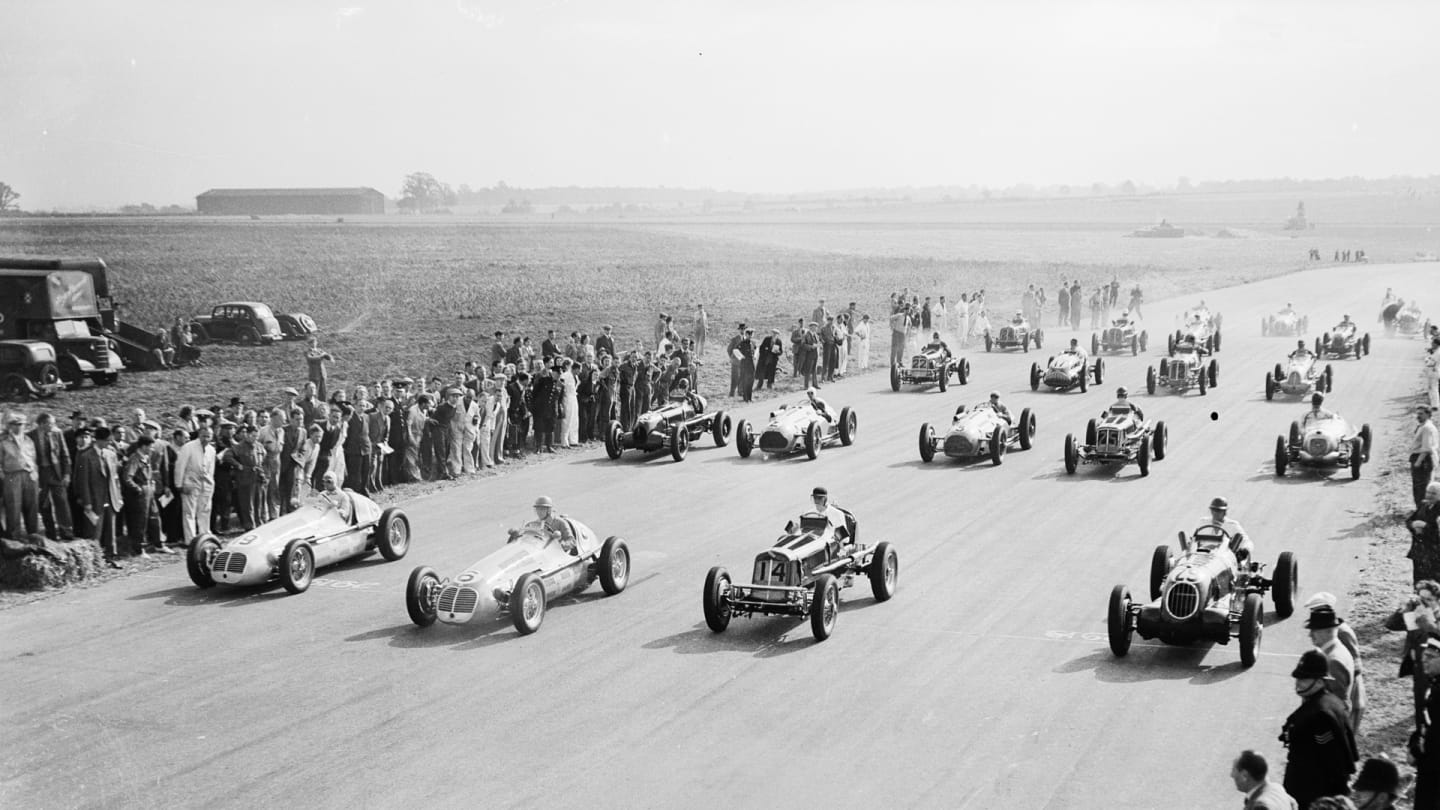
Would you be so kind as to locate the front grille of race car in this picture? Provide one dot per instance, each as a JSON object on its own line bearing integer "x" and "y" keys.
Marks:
{"x": 1057, "y": 376}
{"x": 920, "y": 361}
{"x": 1114, "y": 336}
{"x": 1317, "y": 446}
{"x": 773, "y": 442}
{"x": 1178, "y": 372}
{"x": 1182, "y": 600}
{"x": 230, "y": 562}
{"x": 1294, "y": 378}
{"x": 958, "y": 446}
{"x": 1007, "y": 334}
{"x": 454, "y": 599}
{"x": 1109, "y": 440}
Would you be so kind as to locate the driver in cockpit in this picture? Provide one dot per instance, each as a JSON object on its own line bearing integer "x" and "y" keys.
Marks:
{"x": 550, "y": 524}
{"x": 936, "y": 344}
{"x": 1316, "y": 412}
{"x": 999, "y": 407}
{"x": 1301, "y": 351}
{"x": 680, "y": 392}
{"x": 1077, "y": 351}
{"x": 1122, "y": 405}
{"x": 1019, "y": 318}
{"x": 1189, "y": 346}
{"x": 1288, "y": 310}
{"x": 1122, "y": 321}
{"x": 819, "y": 404}
{"x": 336, "y": 498}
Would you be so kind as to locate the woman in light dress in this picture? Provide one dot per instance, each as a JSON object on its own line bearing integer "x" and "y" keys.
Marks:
{"x": 862, "y": 342}
{"x": 962, "y": 319}
{"x": 569, "y": 429}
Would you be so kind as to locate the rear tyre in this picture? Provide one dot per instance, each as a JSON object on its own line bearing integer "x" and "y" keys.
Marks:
{"x": 1095, "y": 343}
{"x": 297, "y": 566}
{"x": 1282, "y": 456}
{"x": 1150, "y": 380}
{"x": 927, "y": 443}
{"x": 717, "y": 588}
{"x": 1159, "y": 569}
{"x": 1279, "y": 373}
{"x": 1170, "y": 345}
{"x": 1214, "y": 373}
{"x": 1027, "y": 429}
{"x": 812, "y": 440}
{"x": 14, "y": 387}
{"x": 1286, "y": 584}
{"x": 1329, "y": 378}
{"x": 392, "y": 534}
{"x": 962, "y": 371}
{"x": 824, "y": 607}
{"x": 744, "y": 438}
{"x": 614, "y": 565}
{"x": 1099, "y": 371}
{"x": 199, "y": 558}
{"x": 720, "y": 428}
{"x": 1118, "y": 621}
{"x": 1072, "y": 455}
{"x": 1084, "y": 379}
{"x": 421, "y": 592}
{"x": 1252, "y": 618}
{"x": 997, "y": 445}
{"x": 527, "y": 604}
{"x": 1294, "y": 434}
{"x": 1269, "y": 387}
{"x": 1201, "y": 378}
{"x": 1357, "y": 456}
{"x": 1144, "y": 340}
{"x": 884, "y": 571}
{"x": 848, "y": 424}
{"x": 1365, "y": 442}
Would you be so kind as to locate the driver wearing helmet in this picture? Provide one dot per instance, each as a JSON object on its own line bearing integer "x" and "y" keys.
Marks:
{"x": 336, "y": 498}
{"x": 936, "y": 344}
{"x": 551, "y": 524}
{"x": 999, "y": 407}
{"x": 1123, "y": 405}
{"x": 680, "y": 392}
{"x": 1077, "y": 351}
{"x": 1345, "y": 325}
{"x": 1316, "y": 412}
{"x": 1239, "y": 541}
{"x": 1190, "y": 346}
{"x": 1019, "y": 318}
{"x": 819, "y": 404}
{"x": 842, "y": 521}
{"x": 1124, "y": 319}
{"x": 1301, "y": 351}
{"x": 1288, "y": 310}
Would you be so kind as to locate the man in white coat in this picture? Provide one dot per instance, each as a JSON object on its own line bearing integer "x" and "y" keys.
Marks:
{"x": 195, "y": 476}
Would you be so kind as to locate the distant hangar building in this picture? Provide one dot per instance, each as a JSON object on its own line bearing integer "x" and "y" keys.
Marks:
{"x": 270, "y": 201}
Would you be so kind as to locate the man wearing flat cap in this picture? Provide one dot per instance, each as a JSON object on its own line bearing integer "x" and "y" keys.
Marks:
{"x": 1345, "y": 635}
{"x": 1321, "y": 744}
{"x": 97, "y": 489}
{"x": 1324, "y": 627}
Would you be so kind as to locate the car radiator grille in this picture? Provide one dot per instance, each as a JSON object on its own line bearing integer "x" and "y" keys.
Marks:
{"x": 1182, "y": 600}
{"x": 1178, "y": 372}
{"x": 1318, "y": 447}
{"x": 1108, "y": 440}
{"x": 1007, "y": 334}
{"x": 230, "y": 562}
{"x": 454, "y": 599}
{"x": 958, "y": 446}
{"x": 773, "y": 442}
{"x": 1113, "y": 336}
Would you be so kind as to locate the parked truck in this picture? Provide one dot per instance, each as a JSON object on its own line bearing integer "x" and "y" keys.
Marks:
{"x": 57, "y": 301}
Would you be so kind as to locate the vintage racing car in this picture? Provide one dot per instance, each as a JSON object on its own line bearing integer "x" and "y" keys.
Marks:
{"x": 1410, "y": 322}
{"x": 796, "y": 427}
{"x": 1327, "y": 442}
{"x": 1118, "y": 438}
{"x": 1122, "y": 335}
{"x": 1285, "y": 323}
{"x": 1186, "y": 370}
{"x": 522, "y": 577}
{"x": 802, "y": 575}
{"x": 932, "y": 366}
{"x": 1341, "y": 342}
{"x": 1016, "y": 334}
{"x": 672, "y": 426}
{"x": 1303, "y": 376}
{"x": 1200, "y": 322}
{"x": 292, "y": 547}
{"x": 978, "y": 431}
{"x": 1204, "y": 594}
{"x": 1065, "y": 371}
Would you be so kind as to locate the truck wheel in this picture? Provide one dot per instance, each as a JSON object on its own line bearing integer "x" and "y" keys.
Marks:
{"x": 744, "y": 438}
{"x": 1286, "y": 584}
{"x": 106, "y": 378}
{"x": 1282, "y": 456}
{"x": 1159, "y": 569}
{"x": 15, "y": 387}
{"x": 199, "y": 558}
{"x": 297, "y": 566}
{"x": 1072, "y": 456}
{"x": 812, "y": 440}
{"x": 1027, "y": 429}
{"x": 613, "y": 448}
{"x": 1252, "y": 618}
{"x": 927, "y": 443}
{"x": 527, "y": 604}
{"x": 679, "y": 441}
{"x": 720, "y": 428}
{"x": 717, "y": 590}
{"x": 884, "y": 571}
{"x": 614, "y": 565}
{"x": 70, "y": 371}
{"x": 421, "y": 592}
{"x": 1118, "y": 621}
{"x": 392, "y": 534}
{"x": 824, "y": 607}
{"x": 848, "y": 424}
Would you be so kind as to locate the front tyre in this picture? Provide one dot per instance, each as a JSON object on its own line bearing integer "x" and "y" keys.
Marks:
{"x": 1282, "y": 456}
{"x": 884, "y": 571}
{"x": 527, "y": 604}
{"x": 1027, "y": 429}
{"x": 717, "y": 590}
{"x": 1160, "y": 441}
{"x": 614, "y": 565}
{"x": 824, "y": 607}
{"x": 927, "y": 443}
{"x": 848, "y": 425}
{"x": 613, "y": 448}
{"x": 421, "y": 593}
{"x": 679, "y": 441}
{"x": 392, "y": 534}
{"x": 894, "y": 378}
{"x": 297, "y": 566}
{"x": 1072, "y": 455}
{"x": 998, "y": 444}
{"x": 199, "y": 558}
{"x": 744, "y": 438}
{"x": 1159, "y": 569}
{"x": 812, "y": 441}
{"x": 1286, "y": 584}
{"x": 1118, "y": 621}
{"x": 720, "y": 428}
{"x": 1252, "y": 618}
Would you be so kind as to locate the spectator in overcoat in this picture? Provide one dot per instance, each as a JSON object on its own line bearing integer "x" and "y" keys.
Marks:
{"x": 746, "y": 348}
{"x": 544, "y": 401}
{"x": 769, "y": 359}
{"x": 138, "y": 482}
{"x": 1425, "y": 535}
{"x": 97, "y": 488}
{"x": 1321, "y": 744}
{"x": 518, "y": 414}
{"x": 607, "y": 389}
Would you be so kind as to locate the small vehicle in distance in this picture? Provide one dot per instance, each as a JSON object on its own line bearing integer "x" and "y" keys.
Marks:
{"x": 245, "y": 322}
{"x": 932, "y": 366}
{"x": 28, "y": 368}
{"x": 802, "y": 575}
{"x": 976, "y": 432}
{"x": 1122, "y": 335}
{"x": 1186, "y": 370}
{"x": 290, "y": 548}
{"x": 1344, "y": 341}
{"x": 1204, "y": 594}
{"x": 1285, "y": 323}
{"x": 1200, "y": 322}
{"x": 1331, "y": 441}
{"x": 1118, "y": 438}
{"x": 795, "y": 428}
{"x": 672, "y": 426}
{"x": 1016, "y": 334}
{"x": 521, "y": 578}
{"x": 1300, "y": 375}
{"x": 1065, "y": 371}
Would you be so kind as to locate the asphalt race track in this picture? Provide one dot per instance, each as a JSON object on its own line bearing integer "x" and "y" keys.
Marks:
{"x": 986, "y": 682}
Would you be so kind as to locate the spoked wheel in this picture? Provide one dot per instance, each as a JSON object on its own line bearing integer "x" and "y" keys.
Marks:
{"x": 927, "y": 443}
{"x": 527, "y": 604}
{"x": 824, "y": 607}
{"x": 392, "y": 534}
{"x": 614, "y": 565}
{"x": 884, "y": 571}
{"x": 297, "y": 566}
{"x": 199, "y": 558}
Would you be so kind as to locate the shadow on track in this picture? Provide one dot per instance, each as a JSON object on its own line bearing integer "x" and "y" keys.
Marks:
{"x": 1154, "y": 662}
{"x": 762, "y": 636}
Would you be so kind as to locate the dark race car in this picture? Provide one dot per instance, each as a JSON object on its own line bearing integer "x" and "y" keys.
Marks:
{"x": 1065, "y": 371}
{"x": 672, "y": 426}
{"x": 932, "y": 366}
{"x": 1342, "y": 342}
{"x": 1123, "y": 335}
{"x": 1014, "y": 335}
{"x": 1206, "y": 593}
{"x": 1186, "y": 370}
{"x": 1118, "y": 438}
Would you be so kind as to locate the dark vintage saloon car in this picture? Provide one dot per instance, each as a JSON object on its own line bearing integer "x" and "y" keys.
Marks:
{"x": 28, "y": 368}
{"x": 245, "y": 322}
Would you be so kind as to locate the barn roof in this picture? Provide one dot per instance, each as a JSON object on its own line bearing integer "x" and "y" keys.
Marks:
{"x": 288, "y": 192}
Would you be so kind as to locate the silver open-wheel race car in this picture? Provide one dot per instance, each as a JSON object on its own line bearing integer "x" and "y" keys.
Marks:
{"x": 1285, "y": 323}
{"x": 1206, "y": 593}
{"x": 1329, "y": 442}
{"x": 1065, "y": 371}
{"x": 1300, "y": 375}
{"x": 521, "y": 578}
{"x": 672, "y": 426}
{"x": 930, "y": 367}
{"x": 797, "y": 428}
{"x": 1118, "y": 438}
{"x": 1200, "y": 322}
{"x": 1186, "y": 370}
{"x": 802, "y": 575}
{"x": 1344, "y": 341}
{"x": 976, "y": 432}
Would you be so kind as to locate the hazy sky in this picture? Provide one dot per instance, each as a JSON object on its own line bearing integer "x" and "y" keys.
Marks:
{"x": 108, "y": 103}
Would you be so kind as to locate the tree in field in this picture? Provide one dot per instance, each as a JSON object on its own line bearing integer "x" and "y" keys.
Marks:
{"x": 8, "y": 196}
{"x": 422, "y": 192}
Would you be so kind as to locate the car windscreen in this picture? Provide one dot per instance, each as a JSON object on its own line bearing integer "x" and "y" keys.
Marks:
{"x": 72, "y": 329}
